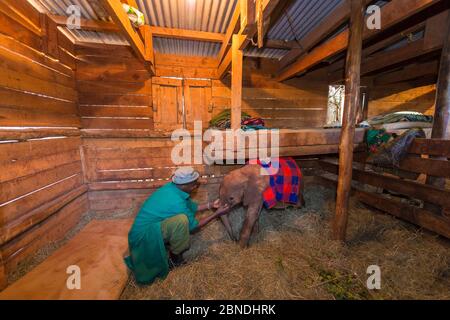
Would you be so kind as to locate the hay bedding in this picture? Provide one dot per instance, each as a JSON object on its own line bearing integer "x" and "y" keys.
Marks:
{"x": 293, "y": 258}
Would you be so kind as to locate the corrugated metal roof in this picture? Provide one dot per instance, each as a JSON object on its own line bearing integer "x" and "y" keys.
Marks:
{"x": 98, "y": 37}
{"x": 265, "y": 53}
{"x": 90, "y": 9}
{"x": 301, "y": 17}
{"x": 186, "y": 47}
{"x": 202, "y": 15}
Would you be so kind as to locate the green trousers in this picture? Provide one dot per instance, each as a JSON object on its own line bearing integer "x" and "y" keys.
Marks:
{"x": 175, "y": 232}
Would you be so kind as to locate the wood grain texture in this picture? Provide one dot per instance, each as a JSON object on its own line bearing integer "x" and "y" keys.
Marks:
{"x": 64, "y": 217}
{"x": 352, "y": 99}
{"x": 103, "y": 272}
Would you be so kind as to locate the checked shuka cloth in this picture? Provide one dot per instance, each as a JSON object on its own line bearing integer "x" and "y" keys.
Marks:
{"x": 285, "y": 179}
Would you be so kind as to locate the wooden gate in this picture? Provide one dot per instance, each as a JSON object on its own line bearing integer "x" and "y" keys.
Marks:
{"x": 177, "y": 103}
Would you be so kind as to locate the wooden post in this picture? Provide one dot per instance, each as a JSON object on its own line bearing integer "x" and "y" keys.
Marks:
{"x": 148, "y": 43}
{"x": 442, "y": 111}
{"x": 236, "y": 81}
{"x": 352, "y": 100}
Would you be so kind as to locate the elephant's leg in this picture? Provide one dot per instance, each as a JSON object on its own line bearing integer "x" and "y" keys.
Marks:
{"x": 227, "y": 224}
{"x": 255, "y": 228}
{"x": 252, "y": 217}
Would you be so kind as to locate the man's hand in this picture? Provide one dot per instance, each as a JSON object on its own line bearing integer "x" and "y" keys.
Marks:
{"x": 224, "y": 210}
{"x": 216, "y": 204}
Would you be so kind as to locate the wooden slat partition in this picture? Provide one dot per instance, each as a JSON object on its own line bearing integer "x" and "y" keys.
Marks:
{"x": 123, "y": 172}
{"x": 432, "y": 147}
{"x": 42, "y": 188}
{"x": 297, "y": 104}
{"x": 33, "y": 174}
{"x": 185, "y": 67}
{"x": 114, "y": 88}
{"x": 409, "y": 188}
{"x": 34, "y": 91}
{"x": 415, "y": 215}
{"x": 413, "y": 163}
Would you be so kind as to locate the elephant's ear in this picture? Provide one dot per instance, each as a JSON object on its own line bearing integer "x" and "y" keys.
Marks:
{"x": 253, "y": 190}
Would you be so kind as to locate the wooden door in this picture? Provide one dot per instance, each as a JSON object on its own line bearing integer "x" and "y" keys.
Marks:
{"x": 167, "y": 104}
{"x": 197, "y": 95}
{"x": 170, "y": 96}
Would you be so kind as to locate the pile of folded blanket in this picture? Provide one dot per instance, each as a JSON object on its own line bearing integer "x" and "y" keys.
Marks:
{"x": 253, "y": 124}
{"x": 388, "y": 150}
{"x": 401, "y": 120}
{"x": 223, "y": 121}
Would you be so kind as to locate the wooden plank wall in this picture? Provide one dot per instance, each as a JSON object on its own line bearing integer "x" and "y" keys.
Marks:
{"x": 123, "y": 172}
{"x": 168, "y": 65}
{"x": 114, "y": 89}
{"x": 42, "y": 190}
{"x": 122, "y": 166}
{"x": 125, "y": 158}
{"x": 298, "y": 103}
{"x": 401, "y": 97}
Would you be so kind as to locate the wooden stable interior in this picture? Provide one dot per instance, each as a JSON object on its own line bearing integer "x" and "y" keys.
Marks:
{"x": 86, "y": 127}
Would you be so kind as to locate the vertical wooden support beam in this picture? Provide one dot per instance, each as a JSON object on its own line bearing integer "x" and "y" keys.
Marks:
{"x": 441, "y": 128}
{"x": 352, "y": 100}
{"x": 248, "y": 15}
{"x": 236, "y": 81}
{"x": 148, "y": 43}
{"x": 50, "y": 39}
{"x": 441, "y": 122}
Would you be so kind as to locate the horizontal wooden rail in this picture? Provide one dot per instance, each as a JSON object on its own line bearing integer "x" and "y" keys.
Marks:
{"x": 432, "y": 167}
{"x": 413, "y": 189}
{"x": 432, "y": 147}
{"x": 35, "y": 216}
{"x": 415, "y": 215}
{"x": 420, "y": 217}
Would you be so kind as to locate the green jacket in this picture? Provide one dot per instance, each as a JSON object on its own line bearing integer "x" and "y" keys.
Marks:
{"x": 148, "y": 255}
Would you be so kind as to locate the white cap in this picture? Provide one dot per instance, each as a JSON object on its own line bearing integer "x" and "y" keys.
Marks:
{"x": 185, "y": 175}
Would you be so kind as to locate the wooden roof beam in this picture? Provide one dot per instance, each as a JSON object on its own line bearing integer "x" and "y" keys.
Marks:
{"x": 379, "y": 61}
{"x": 233, "y": 28}
{"x": 245, "y": 13}
{"x": 187, "y": 34}
{"x": 408, "y": 73}
{"x": 393, "y": 13}
{"x": 338, "y": 17}
{"x": 131, "y": 3}
{"x": 114, "y": 8}
{"x": 90, "y": 25}
{"x": 249, "y": 27}
{"x": 225, "y": 65}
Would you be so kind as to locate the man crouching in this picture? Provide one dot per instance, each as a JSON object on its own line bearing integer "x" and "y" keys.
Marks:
{"x": 167, "y": 217}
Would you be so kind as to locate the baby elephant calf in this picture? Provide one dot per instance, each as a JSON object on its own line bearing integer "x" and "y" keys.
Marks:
{"x": 249, "y": 187}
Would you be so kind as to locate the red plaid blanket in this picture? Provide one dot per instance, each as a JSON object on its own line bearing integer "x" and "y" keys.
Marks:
{"x": 285, "y": 178}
